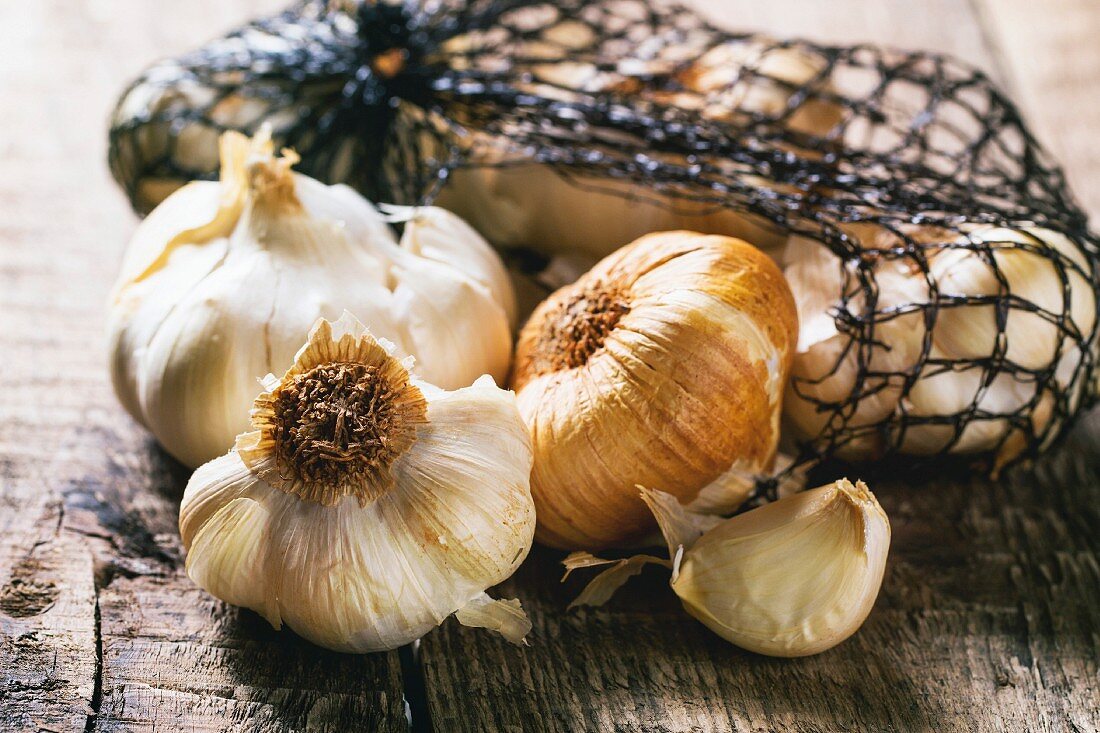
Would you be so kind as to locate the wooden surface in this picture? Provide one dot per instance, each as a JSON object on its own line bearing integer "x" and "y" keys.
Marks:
{"x": 990, "y": 614}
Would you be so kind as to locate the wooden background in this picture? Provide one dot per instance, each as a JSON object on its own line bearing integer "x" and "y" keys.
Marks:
{"x": 990, "y": 614}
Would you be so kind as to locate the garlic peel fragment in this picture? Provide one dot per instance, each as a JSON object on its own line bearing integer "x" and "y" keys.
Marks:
{"x": 600, "y": 589}
{"x": 384, "y": 555}
{"x": 506, "y": 617}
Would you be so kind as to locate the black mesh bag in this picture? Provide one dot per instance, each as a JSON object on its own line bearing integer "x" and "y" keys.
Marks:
{"x": 946, "y": 279}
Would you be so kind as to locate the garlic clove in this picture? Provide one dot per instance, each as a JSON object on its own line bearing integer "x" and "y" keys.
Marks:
{"x": 791, "y": 578}
{"x": 227, "y": 551}
{"x": 827, "y": 366}
{"x": 992, "y": 400}
{"x": 190, "y": 410}
{"x": 756, "y": 76}
{"x": 374, "y": 548}
{"x": 456, "y": 328}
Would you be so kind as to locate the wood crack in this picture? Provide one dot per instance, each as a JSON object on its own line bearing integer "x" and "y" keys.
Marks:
{"x": 97, "y": 682}
{"x": 414, "y": 690}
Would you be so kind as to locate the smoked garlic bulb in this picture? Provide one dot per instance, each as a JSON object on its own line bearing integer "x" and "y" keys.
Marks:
{"x": 365, "y": 506}
{"x": 788, "y": 579}
{"x": 664, "y": 365}
{"x": 223, "y": 280}
{"x": 969, "y": 357}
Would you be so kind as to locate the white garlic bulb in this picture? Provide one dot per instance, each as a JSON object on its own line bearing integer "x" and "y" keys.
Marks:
{"x": 960, "y": 382}
{"x": 1019, "y": 265}
{"x": 224, "y": 279}
{"x": 791, "y": 578}
{"x": 365, "y": 506}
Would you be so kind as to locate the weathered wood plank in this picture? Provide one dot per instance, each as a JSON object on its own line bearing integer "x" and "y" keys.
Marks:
{"x": 99, "y": 629}
{"x": 174, "y": 657}
{"x": 988, "y": 619}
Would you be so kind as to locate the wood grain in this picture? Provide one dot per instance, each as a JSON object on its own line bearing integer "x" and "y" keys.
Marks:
{"x": 987, "y": 622}
{"x": 990, "y": 615}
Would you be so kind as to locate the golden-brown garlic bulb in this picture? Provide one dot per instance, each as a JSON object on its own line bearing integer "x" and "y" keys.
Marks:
{"x": 664, "y": 365}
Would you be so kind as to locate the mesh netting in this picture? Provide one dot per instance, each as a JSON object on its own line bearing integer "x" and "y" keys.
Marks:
{"x": 946, "y": 279}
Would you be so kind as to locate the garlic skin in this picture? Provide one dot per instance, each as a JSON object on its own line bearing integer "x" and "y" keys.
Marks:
{"x": 534, "y": 206}
{"x": 663, "y": 365}
{"x": 222, "y": 282}
{"x": 737, "y": 82}
{"x": 1031, "y": 341}
{"x": 360, "y": 541}
{"x": 788, "y": 579}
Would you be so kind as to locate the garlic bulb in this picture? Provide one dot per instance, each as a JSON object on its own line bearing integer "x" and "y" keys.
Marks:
{"x": 222, "y": 282}
{"x": 789, "y": 579}
{"x": 663, "y": 365}
{"x": 365, "y": 506}
{"x": 521, "y": 203}
{"x": 941, "y": 373}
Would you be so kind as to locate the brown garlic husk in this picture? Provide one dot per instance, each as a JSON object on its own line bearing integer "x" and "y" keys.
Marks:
{"x": 664, "y": 365}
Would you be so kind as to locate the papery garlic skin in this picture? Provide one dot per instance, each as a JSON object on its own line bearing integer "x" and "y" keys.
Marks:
{"x": 222, "y": 282}
{"x": 791, "y": 578}
{"x": 826, "y": 365}
{"x": 532, "y": 205}
{"x": 377, "y": 563}
{"x": 663, "y": 365}
{"x": 737, "y": 82}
